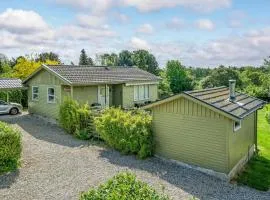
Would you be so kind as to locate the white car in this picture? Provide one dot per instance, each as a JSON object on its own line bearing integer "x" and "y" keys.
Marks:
{"x": 10, "y": 108}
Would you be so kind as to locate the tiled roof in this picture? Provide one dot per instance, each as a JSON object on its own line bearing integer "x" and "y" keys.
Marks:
{"x": 10, "y": 83}
{"x": 219, "y": 98}
{"x": 93, "y": 75}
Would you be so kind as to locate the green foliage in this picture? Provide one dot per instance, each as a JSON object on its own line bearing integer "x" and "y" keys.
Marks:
{"x": 220, "y": 77}
{"x": 178, "y": 77}
{"x": 123, "y": 186}
{"x": 76, "y": 119}
{"x": 257, "y": 173}
{"x": 164, "y": 89}
{"x": 125, "y": 58}
{"x": 267, "y": 114}
{"x": 84, "y": 59}
{"x": 145, "y": 61}
{"x": 126, "y": 131}
{"x": 48, "y": 56}
{"x": 109, "y": 59}
{"x": 10, "y": 148}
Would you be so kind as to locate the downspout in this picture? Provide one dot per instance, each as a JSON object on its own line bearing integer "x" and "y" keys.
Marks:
{"x": 71, "y": 91}
{"x": 7, "y": 97}
{"x": 255, "y": 131}
{"x": 105, "y": 95}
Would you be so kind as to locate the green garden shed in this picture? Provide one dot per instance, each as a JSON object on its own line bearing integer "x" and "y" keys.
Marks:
{"x": 214, "y": 130}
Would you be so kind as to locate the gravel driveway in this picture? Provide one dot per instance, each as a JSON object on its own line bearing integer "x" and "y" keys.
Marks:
{"x": 57, "y": 166}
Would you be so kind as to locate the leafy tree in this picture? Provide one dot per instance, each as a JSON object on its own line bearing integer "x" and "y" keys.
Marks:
{"x": 109, "y": 59}
{"x": 125, "y": 58}
{"x": 48, "y": 56}
{"x": 220, "y": 77}
{"x": 25, "y": 66}
{"x": 146, "y": 61}
{"x": 178, "y": 77}
{"x": 164, "y": 89}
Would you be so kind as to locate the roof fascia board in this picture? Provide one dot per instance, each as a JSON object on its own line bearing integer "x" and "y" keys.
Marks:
{"x": 142, "y": 83}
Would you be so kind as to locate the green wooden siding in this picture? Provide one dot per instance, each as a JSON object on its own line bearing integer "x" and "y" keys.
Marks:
{"x": 242, "y": 140}
{"x": 191, "y": 133}
{"x": 128, "y": 95}
{"x": 84, "y": 94}
{"x": 43, "y": 80}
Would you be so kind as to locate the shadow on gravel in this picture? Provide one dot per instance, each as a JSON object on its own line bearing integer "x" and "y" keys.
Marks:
{"x": 6, "y": 180}
{"x": 198, "y": 184}
{"x": 43, "y": 130}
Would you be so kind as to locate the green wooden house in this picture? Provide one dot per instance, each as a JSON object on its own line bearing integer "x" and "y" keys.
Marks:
{"x": 213, "y": 129}
{"x": 106, "y": 86}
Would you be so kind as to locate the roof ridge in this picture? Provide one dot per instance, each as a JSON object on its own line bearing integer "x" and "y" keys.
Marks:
{"x": 94, "y": 66}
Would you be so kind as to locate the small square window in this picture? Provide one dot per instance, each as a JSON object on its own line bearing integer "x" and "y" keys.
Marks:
{"x": 237, "y": 125}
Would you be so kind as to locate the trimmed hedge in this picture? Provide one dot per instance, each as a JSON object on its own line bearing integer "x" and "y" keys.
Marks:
{"x": 10, "y": 148}
{"x": 77, "y": 119}
{"x": 126, "y": 131}
{"x": 123, "y": 186}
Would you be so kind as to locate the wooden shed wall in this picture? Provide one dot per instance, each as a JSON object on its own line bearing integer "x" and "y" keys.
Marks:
{"x": 191, "y": 133}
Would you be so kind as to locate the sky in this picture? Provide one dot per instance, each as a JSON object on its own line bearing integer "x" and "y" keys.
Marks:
{"x": 199, "y": 33}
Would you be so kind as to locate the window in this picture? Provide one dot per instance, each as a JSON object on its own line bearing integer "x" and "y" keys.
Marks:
{"x": 141, "y": 92}
{"x": 51, "y": 95}
{"x": 35, "y": 93}
{"x": 237, "y": 125}
{"x": 3, "y": 102}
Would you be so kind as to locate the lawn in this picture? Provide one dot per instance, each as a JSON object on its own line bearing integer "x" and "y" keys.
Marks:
{"x": 257, "y": 172}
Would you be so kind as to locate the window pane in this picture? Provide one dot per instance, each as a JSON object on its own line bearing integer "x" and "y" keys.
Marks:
{"x": 136, "y": 93}
{"x": 141, "y": 91}
{"x": 51, "y": 91}
{"x": 35, "y": 89}
{"x": 146, "y": 91}
{"x": 51, "y": 98}
{"x": 35, "y": 96}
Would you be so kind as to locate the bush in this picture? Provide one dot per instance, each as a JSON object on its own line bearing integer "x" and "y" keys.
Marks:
{"x": 76, "y": 119}
{"x": 267, "y": 114}
{"x": 10, "y": 148}
{"x": 126, "y": 131}
{"x": 123, "y": 186}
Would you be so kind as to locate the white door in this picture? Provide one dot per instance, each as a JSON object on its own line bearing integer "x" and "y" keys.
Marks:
{"x": 103, "y": 95}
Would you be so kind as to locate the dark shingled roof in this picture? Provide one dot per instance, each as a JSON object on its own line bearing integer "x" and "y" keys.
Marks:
{"x": 82, "y": 75}
{"x": 219, "y": 98}
{"x": 10, "y": 83}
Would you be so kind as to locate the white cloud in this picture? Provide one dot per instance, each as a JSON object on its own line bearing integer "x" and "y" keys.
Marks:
{"x": 96, "y": 6}
{"x": 121, "y": 17}
{"x": 205, "y": 24}
{"x": 198, "y": 5}
{"x": 22, "y": 21}
{"x": 90, "y": 20}
{"x": 138, "y": 43}
{"x": 146, "y": 29}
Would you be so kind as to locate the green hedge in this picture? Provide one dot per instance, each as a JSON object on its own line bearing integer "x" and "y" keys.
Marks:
{"x": 15, "y": 96}
{"x": 10, "y": 148}
{"x": 123, "y": 186}
{"x": 126, "y": 131}
{"x": 77, "y": 119}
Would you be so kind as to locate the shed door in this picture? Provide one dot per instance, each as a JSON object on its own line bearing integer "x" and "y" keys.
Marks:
{"x": 103, "y": 95}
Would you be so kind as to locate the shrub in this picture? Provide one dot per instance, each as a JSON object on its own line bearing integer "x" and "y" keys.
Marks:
{"x": 126, "y": 131}
{"x": 10, "y": 148}
{"x": 123, "y": 186}
{"x": 76, "y": 119}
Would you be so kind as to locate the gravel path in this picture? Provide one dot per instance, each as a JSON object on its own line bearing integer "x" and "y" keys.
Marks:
{"x": 57, "y": 166}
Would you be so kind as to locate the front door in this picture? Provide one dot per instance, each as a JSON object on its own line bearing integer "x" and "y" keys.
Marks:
{"x": 103, "y": 95}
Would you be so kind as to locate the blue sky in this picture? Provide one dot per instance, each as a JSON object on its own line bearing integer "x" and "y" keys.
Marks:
{"x": 197, "y": 32}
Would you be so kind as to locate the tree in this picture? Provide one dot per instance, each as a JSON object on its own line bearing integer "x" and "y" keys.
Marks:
{"x": 145, "y": 61}
{"x": 164, "y": 89}
{"x": 25, "y": 66}
{"x": 83, "y": 58}
{"x": 48, "y": 56}
{"x": 178, "y": 77}
{"x": 109, "y": 59}
{"x": 125, "y": 58}
{"x": 220, "y": 77}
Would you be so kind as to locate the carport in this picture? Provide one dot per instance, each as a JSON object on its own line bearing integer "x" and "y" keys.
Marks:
{"x": 9, "y": 84}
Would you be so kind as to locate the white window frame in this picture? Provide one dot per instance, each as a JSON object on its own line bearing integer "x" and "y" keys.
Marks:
{"x": 48, "y": 95}
{"x": 33, "y": 99}
{"x": 237, "y": 125}
{"x": 138, "y": 89}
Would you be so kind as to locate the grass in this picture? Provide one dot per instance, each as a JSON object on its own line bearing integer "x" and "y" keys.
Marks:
{"x": 257, "y": 173}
